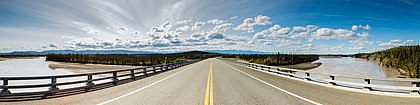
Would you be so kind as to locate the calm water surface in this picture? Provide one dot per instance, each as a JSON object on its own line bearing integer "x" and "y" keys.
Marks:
{"x": 28, "y": 67}
{"x": 31, "y": 67}
{"x": 355, "y": 67}
{"x": 348, "y": 66}
{"x": 339, "y": 66}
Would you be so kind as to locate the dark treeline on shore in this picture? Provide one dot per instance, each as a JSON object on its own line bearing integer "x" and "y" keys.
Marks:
{"x": 275, "y": 59}
{"x": 154, "y": 59}
{"x": 128, "y": 59}
{"x": 403, "y": 57}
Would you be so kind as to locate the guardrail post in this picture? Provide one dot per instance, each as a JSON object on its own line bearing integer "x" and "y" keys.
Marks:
{"x": 114, "y": 78}
{"x": 269, "y": 69}
{"x": 308, "y": 76}
{"x": 5, "y": 89}
{"x": 169, "y": 66}
{"x": 332, "y": 81}
{"x": 154, "y": 70}
{"x": 262, "y": 67}
{"x": 278, "y": 71}
{"x": 53, "y": 88}
{"x": 291, "y": 73}
{"x": 145, "y": 72}
{"x": 367, "y": 88}
{"x": 53, "y": 84}
{"x": 161, "y": 68}
{"x": 166, "y": 66}
{"x": 415, "y": 90}
{"x": 133, "y": 76}
{"x": 89, "y": 83}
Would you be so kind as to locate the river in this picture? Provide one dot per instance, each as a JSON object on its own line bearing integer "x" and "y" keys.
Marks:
{"x": 22, "y": 67}
{"x": 355, "y": 67}
{"x": 347, "y": 66}
{"x": 28, "y": 67}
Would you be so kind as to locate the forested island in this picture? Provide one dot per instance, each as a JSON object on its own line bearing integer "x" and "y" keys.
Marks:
{"x": 154, "y": 59}
{"x": 403, "y": 58}
{"x": 129, "y": 59}
{"x": 275, "y": 59}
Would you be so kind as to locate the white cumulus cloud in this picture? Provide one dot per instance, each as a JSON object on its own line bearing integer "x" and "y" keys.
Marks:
{"x": 336, "y": 34}
{"x": 222, "y": 27}
{"x": 183, "y": 28}
{"x": 216, "y": 21}
{"x": 356, "y": 27}
{"x": 249, "y": 23}
{"x": 197, "y": 25}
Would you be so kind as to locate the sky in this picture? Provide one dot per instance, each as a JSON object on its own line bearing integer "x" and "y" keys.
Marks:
{"x": 286, "y": 26}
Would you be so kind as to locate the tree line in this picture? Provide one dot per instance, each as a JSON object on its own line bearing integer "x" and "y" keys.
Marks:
{"x": 403, "y": 57}
{"x": 127, "y": 59}
{"x": 275, "y": 59}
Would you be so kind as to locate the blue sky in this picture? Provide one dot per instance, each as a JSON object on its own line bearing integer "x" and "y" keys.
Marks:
{"x": 289, "y": 26}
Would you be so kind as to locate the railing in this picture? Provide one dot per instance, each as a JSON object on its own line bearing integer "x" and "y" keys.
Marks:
{"x": 366, "y": 82}
{"x": 106, "y": 77}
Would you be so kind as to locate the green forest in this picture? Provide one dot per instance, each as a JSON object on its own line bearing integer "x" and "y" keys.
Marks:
{"x": 275, "y": 59}
{"x": 403, "y": 57}
{"x": 128, "y": 59}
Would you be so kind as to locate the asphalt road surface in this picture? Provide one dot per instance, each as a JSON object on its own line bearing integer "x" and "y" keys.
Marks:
{"x": 215, "y": 81}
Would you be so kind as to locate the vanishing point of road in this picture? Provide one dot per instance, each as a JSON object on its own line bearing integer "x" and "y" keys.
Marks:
{"x": 214, "y": 81}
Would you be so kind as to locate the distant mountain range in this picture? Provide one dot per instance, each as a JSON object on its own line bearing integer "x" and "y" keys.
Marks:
{"x": 237, "y": 52}
{"x": 77, "y": 52}
{"x": 125, "y": 52}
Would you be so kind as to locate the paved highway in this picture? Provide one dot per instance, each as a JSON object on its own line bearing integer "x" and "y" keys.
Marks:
{"x": 214, "y": 81}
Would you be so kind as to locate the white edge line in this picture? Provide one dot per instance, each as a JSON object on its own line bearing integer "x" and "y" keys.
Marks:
{"x": 125, "y": 95}
{"x": 310, "y": 101}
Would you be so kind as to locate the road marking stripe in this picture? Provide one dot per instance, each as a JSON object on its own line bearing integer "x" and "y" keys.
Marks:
{"x": 125, "y": 95}
{"x": 209, "y": 90}
{"x": 310, "y": 101}
{"x": 211, "y": 86}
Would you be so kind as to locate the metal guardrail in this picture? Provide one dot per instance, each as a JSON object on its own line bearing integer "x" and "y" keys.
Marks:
{"x": 117, "y": 76}
{"x": 332, "y": 79}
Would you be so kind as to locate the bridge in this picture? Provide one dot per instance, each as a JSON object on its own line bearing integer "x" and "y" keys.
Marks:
{"x": 210, "y": 81}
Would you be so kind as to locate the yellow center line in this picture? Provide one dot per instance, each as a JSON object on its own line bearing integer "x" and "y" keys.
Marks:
{"x": 209, "y": 90}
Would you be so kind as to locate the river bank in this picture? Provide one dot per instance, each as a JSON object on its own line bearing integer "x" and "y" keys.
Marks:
{"x": 397, "y": 72}
{"x": 303, "y": 66}
{"x": 86, "y": 68}
{"x": 300, "y": 66}
{"x": 37, "y": 66}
